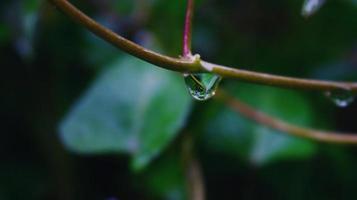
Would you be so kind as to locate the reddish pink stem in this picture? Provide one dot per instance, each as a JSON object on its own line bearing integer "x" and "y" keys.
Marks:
{"x": 187, "y": 34}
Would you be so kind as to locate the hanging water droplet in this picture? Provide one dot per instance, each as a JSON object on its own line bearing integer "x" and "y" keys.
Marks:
{"x": 202, "y": 86}
{"x": 341, "y": 98}
{"x": 311, "y": 6}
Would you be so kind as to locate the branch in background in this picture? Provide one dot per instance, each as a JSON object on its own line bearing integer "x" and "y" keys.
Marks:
{"x": 195, "y": 64}
{"x": 194, "y": 179}
{"x": 280, "y": 125}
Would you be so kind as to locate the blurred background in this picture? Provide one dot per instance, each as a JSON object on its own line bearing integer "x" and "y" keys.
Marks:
{"x": 83, "y": 120}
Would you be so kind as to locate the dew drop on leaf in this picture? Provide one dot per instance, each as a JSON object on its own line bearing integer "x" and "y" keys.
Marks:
{"x": 202, "y": 86}
{"x": 341, "y": 98}
{"x": 311, "y": 6}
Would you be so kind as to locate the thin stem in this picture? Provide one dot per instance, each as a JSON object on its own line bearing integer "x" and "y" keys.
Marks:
{"x": 194, "y": 179}
{"x": 279, "y": 81}
{"x": 275, "y": 123}
{"x": 195, "y": 64}
{"x": 122, "y": 43}
{"x": 187, "y": 33}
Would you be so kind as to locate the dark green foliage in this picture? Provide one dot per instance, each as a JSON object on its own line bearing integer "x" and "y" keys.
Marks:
{"x": 78, "y": 116}
{"x": 229, "y": 133}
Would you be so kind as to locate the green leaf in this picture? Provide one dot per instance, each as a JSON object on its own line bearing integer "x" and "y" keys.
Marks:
{"x": 230, "y": 133}
{"x": 133, "y": 107}
{"x": 273, "y": 146}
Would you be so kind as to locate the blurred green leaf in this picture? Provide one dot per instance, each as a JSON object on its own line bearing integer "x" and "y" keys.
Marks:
{"x": 272, "y": 146}
{"x": 228, "y": 132}
{"x": 133, "y": 107}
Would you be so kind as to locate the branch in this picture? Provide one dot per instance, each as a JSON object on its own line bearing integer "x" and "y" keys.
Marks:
{"x": 194, "y": 64}
{"x": 194, "y": 179}
{"x": 275, "y": 123}
{"x": 187, "y": 33}
{"x": 122, "y": 43}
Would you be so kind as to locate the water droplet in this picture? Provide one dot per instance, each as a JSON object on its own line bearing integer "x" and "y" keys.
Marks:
{"x": 341, "y": 98}
{"x": 311, "y": 6}
{"x": 202, "y": 86}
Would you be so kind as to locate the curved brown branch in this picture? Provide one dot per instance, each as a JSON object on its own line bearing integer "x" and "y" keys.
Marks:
{"x": 122, "y": 43}
{"x": 275, "y": 123}
{"x": 194, "y": 64}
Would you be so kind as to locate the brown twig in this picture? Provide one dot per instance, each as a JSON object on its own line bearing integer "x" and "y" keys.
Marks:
{"x": 122, "y": 43}
{"x": 195, "y": 64}
{"x": 194, "y": 179}
{"x": 275, "y": 123}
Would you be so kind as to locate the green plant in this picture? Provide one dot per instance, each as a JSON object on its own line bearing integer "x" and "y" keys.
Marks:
{"x": 202, "y": 78}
